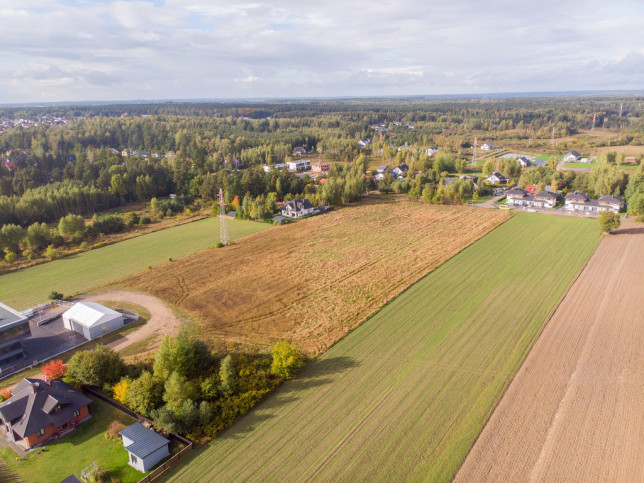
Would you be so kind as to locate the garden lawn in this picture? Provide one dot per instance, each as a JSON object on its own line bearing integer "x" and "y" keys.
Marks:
{"x": 89, "y": 270}
{"x": 404, "y": 396}
{"x": 78, "y": 450}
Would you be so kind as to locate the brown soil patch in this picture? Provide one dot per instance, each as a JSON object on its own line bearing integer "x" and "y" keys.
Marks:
{"x": 162, "y": 320}
{"x": 573, "y": 411}
{"x": 312, "y": 281}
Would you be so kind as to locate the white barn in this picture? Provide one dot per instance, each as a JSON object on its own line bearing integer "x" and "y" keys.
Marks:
{"x": 91, "y": 319}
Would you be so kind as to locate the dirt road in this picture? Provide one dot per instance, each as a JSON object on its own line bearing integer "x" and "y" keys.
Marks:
{"x": 573, "y": 412}
{"x": 162, "y": 321}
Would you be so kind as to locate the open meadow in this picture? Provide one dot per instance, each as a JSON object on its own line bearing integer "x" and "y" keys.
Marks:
{"x": 89, "y": 270}
{"x": 405, "y": 395}
{"x": 312, "y": 281}
{"x": 573, "y": 413}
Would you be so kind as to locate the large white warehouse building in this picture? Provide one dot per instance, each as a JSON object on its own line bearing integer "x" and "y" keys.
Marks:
{"x": 91, "y": 319}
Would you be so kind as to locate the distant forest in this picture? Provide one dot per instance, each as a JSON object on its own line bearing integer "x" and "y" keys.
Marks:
{"x": 193, "y": 149}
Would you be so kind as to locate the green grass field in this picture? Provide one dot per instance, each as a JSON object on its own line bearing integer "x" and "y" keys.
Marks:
{"x": 404, "y": 396}
{"x": 78, "y": 450}
{"x": 89, "y": 270}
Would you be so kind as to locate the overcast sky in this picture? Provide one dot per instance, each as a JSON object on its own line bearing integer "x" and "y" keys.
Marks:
{"x": 69, "y": 50}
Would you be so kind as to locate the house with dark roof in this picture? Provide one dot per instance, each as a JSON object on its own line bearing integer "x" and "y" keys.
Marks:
{"x": 496, "y": 178}
{"x": 540, "y": 162}
{"x": 39, "y": 410}
{"x": 524, "y": 199}
{"x": 401, "y": 169}
{"x": 523, "y": 161}
{"x": 297, "y": 208}
{"x": 145, "y": 447}
{"x": 580, "y": 202}
{"x": 571, "y": 157}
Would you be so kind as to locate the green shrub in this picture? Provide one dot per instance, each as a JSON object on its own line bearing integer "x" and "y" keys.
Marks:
{"x": 286, "y": 360}
{"x": 608, "y": 221}
{"x": 145, "y": 220}
{"x": 51, "y": 252}
{"x": 10, "y": 257}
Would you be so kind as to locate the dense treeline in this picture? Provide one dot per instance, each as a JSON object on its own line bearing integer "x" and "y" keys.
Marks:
{"x": 194, "y": 149}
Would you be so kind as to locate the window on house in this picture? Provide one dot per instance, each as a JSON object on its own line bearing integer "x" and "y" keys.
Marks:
{"x": 76, "y": 413}
{"x": 41, "y": 431}
{"x": 134, "y": 460}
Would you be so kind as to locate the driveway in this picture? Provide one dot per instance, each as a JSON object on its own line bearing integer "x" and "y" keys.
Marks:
{"x": 162, "y": 320}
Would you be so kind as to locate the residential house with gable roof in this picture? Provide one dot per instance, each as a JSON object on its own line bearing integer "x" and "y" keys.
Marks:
{"x": 38, "y": 410}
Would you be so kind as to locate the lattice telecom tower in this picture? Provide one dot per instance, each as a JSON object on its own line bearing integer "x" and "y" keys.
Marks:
{"x": 474, "y": 156}
{"x": 594, "y": 119}
{"x": 223, "y": 224}
{"x": 552, "y": 141}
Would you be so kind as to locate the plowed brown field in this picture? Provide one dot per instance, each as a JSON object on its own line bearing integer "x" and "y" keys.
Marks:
{"x": 574, "y": 411}
{"x": 312, "y": 281}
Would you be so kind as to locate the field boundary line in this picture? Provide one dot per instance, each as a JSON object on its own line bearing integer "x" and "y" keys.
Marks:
{"x": 552, "y": 313}
{"x": 414, "y": 282}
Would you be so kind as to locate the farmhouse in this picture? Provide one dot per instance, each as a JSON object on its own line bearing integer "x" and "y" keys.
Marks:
{"x": 38, "y": 410}
{"x": 145, "y": 447}
{"x": 299, "y": 165}
{"x": 486, "y": 146}
{"x": 580, "y": 202}
{"x": 401, "y": 169}
{"x": 496, "y": 178}
{"x": 321, "y": 167}
{"x": 14, "y": 329}
{"x": 297, "y": 208}
{"x": 571, "y": 157}
{"x": 91, "y": 319}
{"x": 519, "y": 197}
{"x": 523, "y": 161}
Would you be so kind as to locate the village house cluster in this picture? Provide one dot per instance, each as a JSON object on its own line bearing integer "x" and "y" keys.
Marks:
{"x": 6, "y": 123}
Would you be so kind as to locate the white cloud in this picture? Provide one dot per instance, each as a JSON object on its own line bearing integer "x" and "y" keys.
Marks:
{"x": 91, "y": 49}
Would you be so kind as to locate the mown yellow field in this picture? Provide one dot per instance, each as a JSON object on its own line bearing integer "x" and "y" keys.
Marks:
{"x": 312, "y": 281}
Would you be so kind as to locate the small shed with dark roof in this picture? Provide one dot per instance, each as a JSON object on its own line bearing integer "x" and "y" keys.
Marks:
{"x": 146, "y": 447}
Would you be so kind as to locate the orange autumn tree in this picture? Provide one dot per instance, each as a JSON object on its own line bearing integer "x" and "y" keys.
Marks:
{"x": 54, "y": 370}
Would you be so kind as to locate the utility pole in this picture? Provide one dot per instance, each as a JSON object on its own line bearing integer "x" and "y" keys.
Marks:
{"x": 552, "y": 140}
{"x": 223, "y": 223}
{"x": 621, "y": 110}
{"x": 474, "y": 157}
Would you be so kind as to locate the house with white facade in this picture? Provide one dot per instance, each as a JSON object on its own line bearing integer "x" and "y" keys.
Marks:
{"x": 523, "y": 161}
{"x": 581, "y": 203}
{"x": 91, "y": 319}
{"x": 496, "y": 178}
{"x": 521, "y": 198}
{"x": 571, "y": 157}
{"x": 299, "y": 165}
{"x": 297, "y": 208}
{"x": 486, "y": 146}
{"x": 430, "y": 151}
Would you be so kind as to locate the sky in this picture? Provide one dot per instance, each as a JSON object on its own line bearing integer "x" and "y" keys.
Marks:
{"x": 78, "y": 50}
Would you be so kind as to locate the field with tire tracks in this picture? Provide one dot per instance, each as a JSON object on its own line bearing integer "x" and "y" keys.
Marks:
{"x": 313, "y": 281}
{"x": 404, "y": 396}
{"x": 573, "y": 412}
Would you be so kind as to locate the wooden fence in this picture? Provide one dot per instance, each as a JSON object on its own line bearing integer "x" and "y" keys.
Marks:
{"x": 180, "y": 439}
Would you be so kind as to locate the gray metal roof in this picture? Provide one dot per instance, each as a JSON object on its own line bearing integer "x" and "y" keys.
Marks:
{"x": 144, "y": 441}
{"x": 9, "y": 316}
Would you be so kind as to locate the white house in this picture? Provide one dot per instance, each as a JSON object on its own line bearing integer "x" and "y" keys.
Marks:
{"x": 519, "y": 197}
{"x": 363, "y": 143}
{"x": 523, "y": 161}
{"x": 431, "y": 151}
{"x": 571, "y": 157}
{"x": 297, "y": 208}
{"x": 486, "y": 146}
{"x": 299, "y": 165}
{"x": 92, "y": 319}
{"x": 496, "y": 178}
{"x": 580, "y": 202}
{"x": 145, "y": 447}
